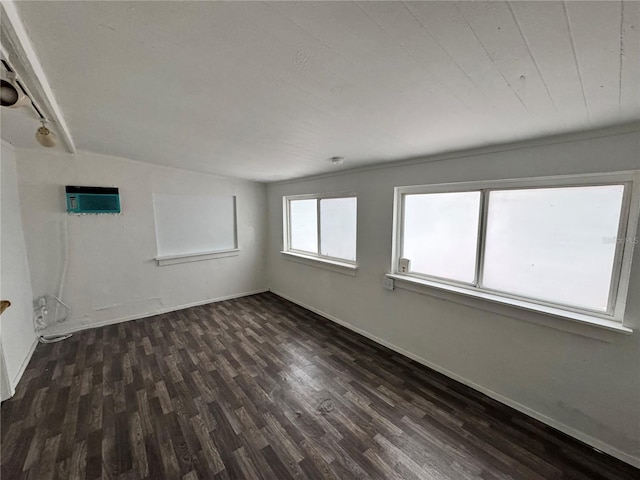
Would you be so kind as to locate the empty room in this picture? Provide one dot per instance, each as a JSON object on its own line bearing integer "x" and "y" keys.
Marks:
{"x": 320, "y": 240}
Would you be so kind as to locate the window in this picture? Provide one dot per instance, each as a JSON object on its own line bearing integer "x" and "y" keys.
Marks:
{"x": 323, "y": 227}
{"x": 441, "y": 234}
{"x": 548, "y": 243}
{"x": 560, "y": 242}
{"x": 194, "y": 227}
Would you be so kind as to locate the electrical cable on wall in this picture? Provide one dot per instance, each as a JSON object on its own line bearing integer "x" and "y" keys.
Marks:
{"x": 45, "y": 303}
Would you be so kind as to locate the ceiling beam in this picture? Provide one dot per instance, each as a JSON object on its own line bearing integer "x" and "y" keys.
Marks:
{"x": 18, "y": 49}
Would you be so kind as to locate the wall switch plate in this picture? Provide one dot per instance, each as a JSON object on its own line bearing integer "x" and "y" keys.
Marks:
{"x": 403, "y": 265}
{"x": 387, "y": 283}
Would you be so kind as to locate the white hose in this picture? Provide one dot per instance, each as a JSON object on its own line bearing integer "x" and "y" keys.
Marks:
{"x": 58, "y": 298}
{"x": 63, "y": 277}
{"x": 53, "y": 339}
{"x": 65, "y": 265}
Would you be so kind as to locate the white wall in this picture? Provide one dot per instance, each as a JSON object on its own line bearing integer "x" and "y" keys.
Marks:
{"x": 16, "y": 331}
{"x": 589, "y": 387}
{"x": 111, "y": 272}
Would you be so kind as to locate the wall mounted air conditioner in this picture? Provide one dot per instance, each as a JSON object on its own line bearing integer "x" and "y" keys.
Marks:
{"x": 88, "y": 200}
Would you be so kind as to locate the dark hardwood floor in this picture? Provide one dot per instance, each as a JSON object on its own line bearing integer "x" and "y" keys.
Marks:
{"x": 258, "y": 387}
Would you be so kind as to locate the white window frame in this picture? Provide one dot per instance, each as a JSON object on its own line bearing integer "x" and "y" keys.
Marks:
{"x": 613, "y": 318}
{"x": 341, "y": 263}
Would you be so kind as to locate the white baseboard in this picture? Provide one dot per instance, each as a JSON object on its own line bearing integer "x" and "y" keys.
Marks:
{"x": 71, "y": 328}
{"x": 23, "y": 367}
{"x": 572, "y": 432}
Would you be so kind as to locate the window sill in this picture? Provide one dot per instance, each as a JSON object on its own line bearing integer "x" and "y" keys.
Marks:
{"x": 195, "y": 257}
{"x": 319, "y": 262}
{"x": 540, "y": 314}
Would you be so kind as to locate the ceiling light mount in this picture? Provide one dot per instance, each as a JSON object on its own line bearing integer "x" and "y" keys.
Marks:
{"x": 46, "y": 137}
{"x": 16, "y": 46}
{"x": 12, "y": 94}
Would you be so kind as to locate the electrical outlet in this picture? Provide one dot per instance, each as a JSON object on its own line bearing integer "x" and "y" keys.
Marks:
{"x": 403, "y": 265}
{"x": 387, "y": 283}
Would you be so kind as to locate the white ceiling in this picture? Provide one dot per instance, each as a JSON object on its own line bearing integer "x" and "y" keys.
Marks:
{"x": 272, "y": 90}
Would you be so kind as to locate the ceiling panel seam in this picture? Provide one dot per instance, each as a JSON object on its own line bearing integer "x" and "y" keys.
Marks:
{"x": 492, "y": 60}
{"x": 535, "y": 63}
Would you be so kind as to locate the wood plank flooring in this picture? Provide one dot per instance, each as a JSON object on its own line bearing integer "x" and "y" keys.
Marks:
{"x": 258, "y": 387}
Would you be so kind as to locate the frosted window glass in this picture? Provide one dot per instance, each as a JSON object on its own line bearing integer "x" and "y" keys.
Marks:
{"x": 338, "y": 228}
{"x": 304, "y": 225}
{"x": 441, "y": 234}
{"x": 194, "y": 223}
{"x": 553, "y": 244}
